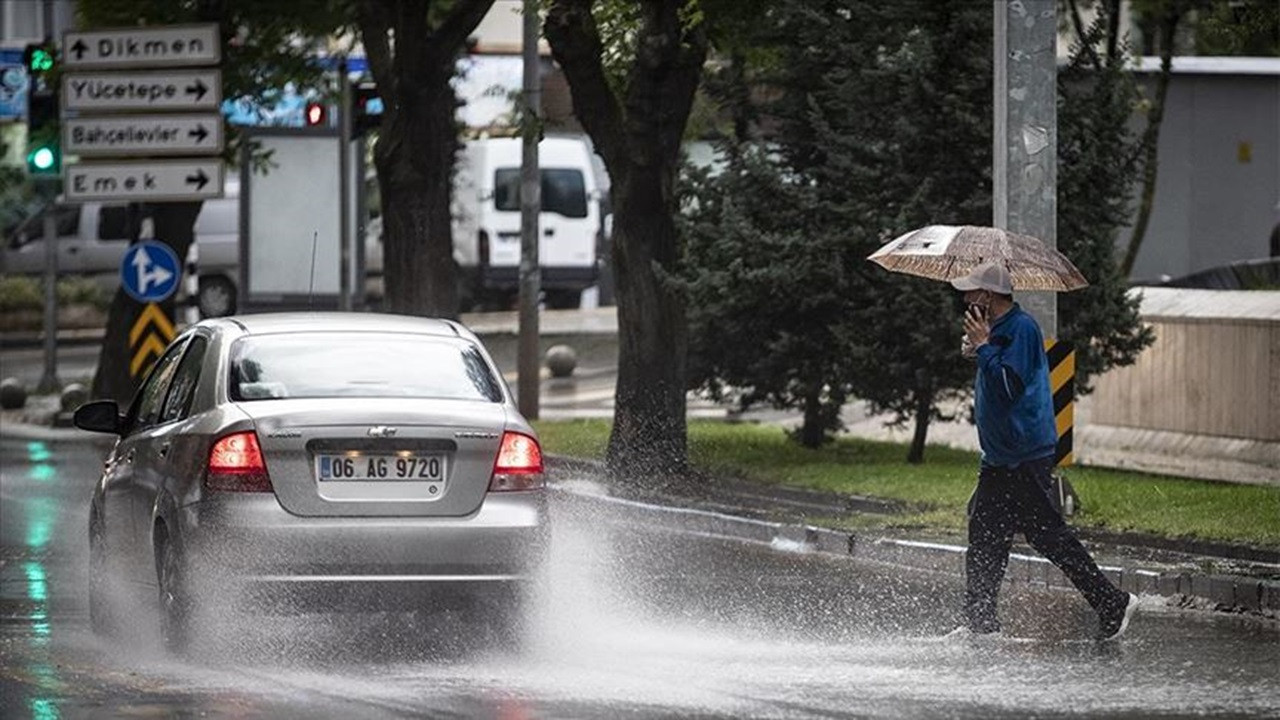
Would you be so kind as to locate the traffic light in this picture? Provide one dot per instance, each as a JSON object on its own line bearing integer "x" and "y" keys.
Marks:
{"x": 367, "y": 112}
{"x": 38, "y": 58}
{"x": 44, "y": 151}
{"x": 316, "y": 114}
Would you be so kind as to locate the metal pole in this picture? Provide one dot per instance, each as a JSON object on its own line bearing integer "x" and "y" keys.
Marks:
{"x": 344, "y": 186}
{"x": 49, "y": 379}
{"x": 530, "y": 206}
{"x": 1025, "y": 137}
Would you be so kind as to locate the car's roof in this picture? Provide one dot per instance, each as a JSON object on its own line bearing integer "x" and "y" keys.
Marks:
{"x": 270, "y": 323}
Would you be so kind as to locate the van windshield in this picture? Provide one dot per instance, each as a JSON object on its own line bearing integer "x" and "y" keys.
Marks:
{"x": 563, "y": 191}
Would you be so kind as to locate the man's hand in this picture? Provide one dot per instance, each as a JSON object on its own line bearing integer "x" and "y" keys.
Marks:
{"x": 976, "y": 328}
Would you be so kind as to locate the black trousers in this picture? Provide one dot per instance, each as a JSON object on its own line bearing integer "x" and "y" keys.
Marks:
{"x": 1021, "y": 499}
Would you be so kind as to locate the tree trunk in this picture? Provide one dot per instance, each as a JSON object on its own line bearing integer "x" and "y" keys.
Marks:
{"x": 649, "y": 426}
{"x": 813, "y": 432}
{"x": 1151, "y": 140}
{"x": 174, "y": 225}
{"x": 414, "y": 161}
{"x": 924, "y": 407}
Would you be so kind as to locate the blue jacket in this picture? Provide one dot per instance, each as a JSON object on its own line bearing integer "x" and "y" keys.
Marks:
{"x": 1013, "y": 403}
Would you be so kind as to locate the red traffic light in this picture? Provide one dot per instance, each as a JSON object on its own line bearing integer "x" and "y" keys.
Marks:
{"x": 316, "y": 114}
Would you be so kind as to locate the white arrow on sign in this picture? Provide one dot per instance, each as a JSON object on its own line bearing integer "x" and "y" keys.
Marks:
{"x": 166, "y": 90}
{"x": 143, "y": 135}
{"x": 148, "y": 272}
{"x": 145, "y": 181}
{"x": 161, "y": 46}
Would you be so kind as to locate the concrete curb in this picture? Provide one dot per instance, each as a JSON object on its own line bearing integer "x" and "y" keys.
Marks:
{"x": 1223, "y": 593}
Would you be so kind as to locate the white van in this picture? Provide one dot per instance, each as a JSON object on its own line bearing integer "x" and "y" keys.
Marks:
{"x": 93, "y": 237}
{"x": 486, "y": 212}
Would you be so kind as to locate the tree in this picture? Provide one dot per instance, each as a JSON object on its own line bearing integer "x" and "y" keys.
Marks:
{"x": 636, "y": 118}
{"x": 265, "y": 45}
{"x": 413, "y": 47}
{"x": 1099, "y": 160}
{"x": 770, "y": 294}
{"x": 882, "y": 125}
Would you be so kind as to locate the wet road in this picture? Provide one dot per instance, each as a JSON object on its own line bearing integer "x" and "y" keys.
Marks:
{"x": 635, "y": 621}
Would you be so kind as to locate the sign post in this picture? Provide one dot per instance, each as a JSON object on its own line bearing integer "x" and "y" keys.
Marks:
{"x": 130, "y": 96}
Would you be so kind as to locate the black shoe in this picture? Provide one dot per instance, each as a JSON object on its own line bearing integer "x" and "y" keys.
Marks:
{"x": 1116, "y": 622}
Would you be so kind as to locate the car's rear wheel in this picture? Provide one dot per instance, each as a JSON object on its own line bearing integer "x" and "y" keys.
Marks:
{"x": 499, "y": 619}
{"x": 175, "y": 602}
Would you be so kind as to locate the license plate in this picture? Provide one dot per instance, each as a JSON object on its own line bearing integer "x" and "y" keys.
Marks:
{"x": 357, "y": 468}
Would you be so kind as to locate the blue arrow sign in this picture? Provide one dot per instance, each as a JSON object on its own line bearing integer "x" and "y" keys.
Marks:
{"x": 149, "y": 271}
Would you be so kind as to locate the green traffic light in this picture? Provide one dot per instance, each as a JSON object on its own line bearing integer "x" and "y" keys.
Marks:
{"x": 41, "y": 60}
{"x": 43, "y": 159}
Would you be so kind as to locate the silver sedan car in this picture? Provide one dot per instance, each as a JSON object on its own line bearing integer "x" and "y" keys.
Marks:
{"x": 319, "y": 461}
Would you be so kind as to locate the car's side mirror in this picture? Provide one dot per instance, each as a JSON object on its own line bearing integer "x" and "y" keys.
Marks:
{"x": 99, "y": 416}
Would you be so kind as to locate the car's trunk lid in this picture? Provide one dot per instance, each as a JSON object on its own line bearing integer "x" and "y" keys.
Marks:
{"x": 404, "y": 456}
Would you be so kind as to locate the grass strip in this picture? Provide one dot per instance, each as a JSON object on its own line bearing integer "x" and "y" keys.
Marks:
{"x": 939, "y": 488}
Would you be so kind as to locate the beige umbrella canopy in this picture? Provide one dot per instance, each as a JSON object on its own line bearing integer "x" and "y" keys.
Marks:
{"x": 946, "y": 252}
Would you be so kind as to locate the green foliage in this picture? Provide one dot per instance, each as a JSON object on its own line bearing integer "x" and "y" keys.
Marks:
{"x": 769, "y": 294}
{"x": 883, "y": 117}
{"x": 22, "y": 292}
{"x": 1241, "y": 27}
{"x": 1099, "y": 161}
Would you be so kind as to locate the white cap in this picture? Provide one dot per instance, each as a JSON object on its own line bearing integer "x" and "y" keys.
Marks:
{"x": 987, "y": 276}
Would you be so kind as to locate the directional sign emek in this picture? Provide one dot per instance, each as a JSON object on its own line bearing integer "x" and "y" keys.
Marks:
{"x": 164, "y": 90}
{"x": 164, "y": 46}
{"x": 144, "y": 181}
{"x": 149, "y": 271}
{"x": 142, "y": 135}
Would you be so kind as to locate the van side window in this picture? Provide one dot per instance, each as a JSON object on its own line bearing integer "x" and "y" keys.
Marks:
{"x": 113, "y": 222}
{"x": 66, "y": 221}
{"x": 563, "y": 191}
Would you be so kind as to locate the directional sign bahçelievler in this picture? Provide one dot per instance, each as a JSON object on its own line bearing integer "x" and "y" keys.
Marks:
{"x": 116, "y": 135}
{"x": 158, "y": 90}
{"x": 144, "y": 181}
{"x": 164, "y": 46}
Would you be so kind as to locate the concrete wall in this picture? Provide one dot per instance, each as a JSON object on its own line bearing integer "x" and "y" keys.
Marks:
{"x": 1205, "y": 395}
{"x": 1218, "y": 186}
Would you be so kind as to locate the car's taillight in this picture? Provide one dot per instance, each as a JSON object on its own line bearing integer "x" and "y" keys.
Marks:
{"x": 482, "y": 249}
{"x": 519, "y": 464}
{"x": 236, "y": 465}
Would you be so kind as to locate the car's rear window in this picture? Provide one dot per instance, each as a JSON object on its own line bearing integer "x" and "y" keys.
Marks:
{"x": 373, "y": 365}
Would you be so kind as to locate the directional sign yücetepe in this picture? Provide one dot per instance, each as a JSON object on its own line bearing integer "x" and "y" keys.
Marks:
{"x": 149, "y": 271}
{"x": 163, "y": 90}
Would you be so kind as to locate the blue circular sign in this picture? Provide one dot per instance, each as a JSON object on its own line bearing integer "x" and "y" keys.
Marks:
{"x": 149, "y": 271}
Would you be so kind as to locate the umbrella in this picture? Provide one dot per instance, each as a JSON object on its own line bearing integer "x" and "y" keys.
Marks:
{"x": 946, "y": 252}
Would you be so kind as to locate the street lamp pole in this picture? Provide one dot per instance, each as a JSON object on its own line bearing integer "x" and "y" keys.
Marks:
{"x": 530, "y": 207}
{"x": 1025, "y": 137}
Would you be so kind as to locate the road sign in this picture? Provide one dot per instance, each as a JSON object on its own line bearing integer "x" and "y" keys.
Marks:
{"x": 164, "y": 46}
{"x": 153, "y": 91}
{"x": 144, "y": 181}
{"x": 143, "y": 135}
{"x": 150, "y": 334}
{"x": 149, "y": 271}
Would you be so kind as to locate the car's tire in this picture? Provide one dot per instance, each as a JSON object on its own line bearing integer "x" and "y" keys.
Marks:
{"x": 216, "y": 297}
{"x": 102, "y": 613}
{"x": 499, "y": 619}
{"x": 175, "y": 601}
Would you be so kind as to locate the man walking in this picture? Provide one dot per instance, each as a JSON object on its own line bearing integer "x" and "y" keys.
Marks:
{"x": 1016, "y": 430}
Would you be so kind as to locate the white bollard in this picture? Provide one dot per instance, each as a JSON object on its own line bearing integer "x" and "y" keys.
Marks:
{"x": 191, "y": 285}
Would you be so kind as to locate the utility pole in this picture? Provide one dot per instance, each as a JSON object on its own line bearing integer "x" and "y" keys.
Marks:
{"x": 344, "y": 187}
{"x": 1025, "y": 172}
{"x": 530, "y": 207}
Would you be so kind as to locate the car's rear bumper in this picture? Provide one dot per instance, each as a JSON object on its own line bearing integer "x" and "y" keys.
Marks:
{"x": 249, "y": 545}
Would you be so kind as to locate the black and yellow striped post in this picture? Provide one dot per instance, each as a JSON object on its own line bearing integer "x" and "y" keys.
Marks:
{"x": 1062, "y": 382}
{"x": 150, "y": 334}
